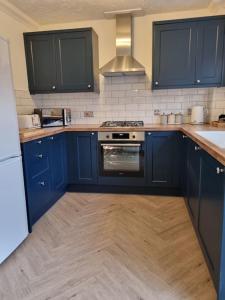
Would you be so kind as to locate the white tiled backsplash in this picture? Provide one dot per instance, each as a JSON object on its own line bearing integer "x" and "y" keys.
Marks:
{"x": 216, "y": 103}
{"x": 126, "y": 98}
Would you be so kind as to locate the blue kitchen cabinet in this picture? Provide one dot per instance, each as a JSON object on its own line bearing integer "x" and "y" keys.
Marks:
{"x": 82, "y": 153}
{"x": 173, "y": 54}
{"x": 184, "y": 152}
{"x": 58, "y": 162}
{"x": 61, "y": 61}
{"x": 188, "y": 53}
{"x": 37, "y": 176}
{"x": 163, "y": 159}
{"x": 211, "y": 218}
{"x": 209, "y": 55}
{"x": 205, "y": 203}
{"x": 41, "y": 67}
{"x": 193, "y": 180}
{"x": 45, "y": 172}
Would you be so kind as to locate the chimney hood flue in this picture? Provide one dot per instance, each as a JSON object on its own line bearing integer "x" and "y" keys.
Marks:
{"x": 124, "y": 63}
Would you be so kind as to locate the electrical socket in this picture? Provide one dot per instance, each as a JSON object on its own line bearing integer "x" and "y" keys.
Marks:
{"x": 88, "y": 114}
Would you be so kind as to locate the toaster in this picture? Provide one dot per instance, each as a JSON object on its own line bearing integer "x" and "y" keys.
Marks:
{"x": 29, "y": 121}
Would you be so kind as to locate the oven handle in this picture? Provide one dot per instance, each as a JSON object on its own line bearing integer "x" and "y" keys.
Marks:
{"x": 121, "y": 145}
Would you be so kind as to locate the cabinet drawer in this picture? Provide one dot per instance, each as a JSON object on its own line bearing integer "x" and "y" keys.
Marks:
{"x": 36, "y": 156}
{"x": 39, "y": 196}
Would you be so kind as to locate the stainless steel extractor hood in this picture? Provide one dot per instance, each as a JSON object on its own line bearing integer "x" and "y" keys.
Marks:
{"x": 124, "y": 63}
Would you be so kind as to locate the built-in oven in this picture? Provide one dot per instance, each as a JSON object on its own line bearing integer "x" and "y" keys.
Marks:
{"x": 121, "y": 154}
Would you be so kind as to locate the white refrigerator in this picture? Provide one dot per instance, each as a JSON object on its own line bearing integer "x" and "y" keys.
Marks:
{"x": 13, "y": 214}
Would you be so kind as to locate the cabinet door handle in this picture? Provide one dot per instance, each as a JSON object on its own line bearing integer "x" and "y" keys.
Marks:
{"x": 219, "y": 171}
{"x": 156, "y": 83}
{"x": 53, "y": 87}
{"x": 197, "y": 148}
{"x": 51, "y": 138}
{"x": 198, "y": 81}
{"x": 40, "y": 156}
{"x": 184, "y": 137}
{"x": 89, "y": 86}
{"x": 39, "y": 142}
{"x": 42, "y": 183}
{"x": 92, "y": 133}
{"x": 149, "y": 133}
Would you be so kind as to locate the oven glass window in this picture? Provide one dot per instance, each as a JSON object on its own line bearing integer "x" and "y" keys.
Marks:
{"x": 124, "y": 159}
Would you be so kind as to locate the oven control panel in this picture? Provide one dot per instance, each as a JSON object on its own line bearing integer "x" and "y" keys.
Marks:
{"x": 121, "y": 136}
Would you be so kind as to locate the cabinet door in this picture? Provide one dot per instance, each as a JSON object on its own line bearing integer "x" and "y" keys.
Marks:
{"x": 184, "y": 150}
{"x": 211, "y": 212}
{"x": 41, "y": 62}
{"x": 193, "y": 180}
{"x": 74, "y": 61}
{"x": 174, "y": 55}
{"x": 163, "y": 159}
{"x": 209, "y": 61}
{"x": 39, "y": 196}
{"x": 83, "y": 168}
{"x": 58, "y": 164}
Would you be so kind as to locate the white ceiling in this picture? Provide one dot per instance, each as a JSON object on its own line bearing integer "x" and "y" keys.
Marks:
{"x": 61, "y": 11}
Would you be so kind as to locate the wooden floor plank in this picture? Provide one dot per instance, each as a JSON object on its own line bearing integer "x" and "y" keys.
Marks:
{"x": 106, "y": 247}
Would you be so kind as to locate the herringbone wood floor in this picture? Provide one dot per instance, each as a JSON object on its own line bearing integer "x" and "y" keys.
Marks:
{"x": 99, "y": 246}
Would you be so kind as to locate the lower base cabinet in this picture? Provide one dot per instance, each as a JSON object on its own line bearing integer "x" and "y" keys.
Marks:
{"x": 205, "y": 203}
{"x": 193, "y": 179}
{"x": 83, "y": 157}
{"x": 211, "y": 211}
{"x": 45, "y": 171}
{"x": 58, "y": 162}
{"x": 163, "y": 159}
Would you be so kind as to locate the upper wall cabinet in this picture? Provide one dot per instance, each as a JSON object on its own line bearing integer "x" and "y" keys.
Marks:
{"x": 188, "y": 53}
{"x": 62, "y": 61}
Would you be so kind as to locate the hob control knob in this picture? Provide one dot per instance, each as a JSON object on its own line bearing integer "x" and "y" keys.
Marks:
{"x": 134, "y": 136}
{"x": 107, "y": 136}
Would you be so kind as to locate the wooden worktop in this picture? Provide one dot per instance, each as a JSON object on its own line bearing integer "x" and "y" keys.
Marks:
{"x": 189, "y": 130}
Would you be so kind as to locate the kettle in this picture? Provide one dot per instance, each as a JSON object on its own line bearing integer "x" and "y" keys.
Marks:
{"x": 198, "y": 114}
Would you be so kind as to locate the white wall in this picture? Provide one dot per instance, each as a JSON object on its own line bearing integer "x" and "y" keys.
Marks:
{"x": 12, "y": 29}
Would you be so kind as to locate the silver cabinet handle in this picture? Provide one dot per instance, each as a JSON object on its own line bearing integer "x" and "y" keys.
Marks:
{"x": 92, "y": 133}
{"x": 219, "y": 170}
{"x": 149, "y": 133}
{"x": 156, "y": 83}
{"x": 42, "y": 183}
{"x": 198, "y": 81}
{"x": 39, "y": 156}
{"x": 51, "y": 138}
{"x": 39, "y": 142}
{"x": 197, "y": 148}
{"x": 184, "y": 137}
{"x": 53, "y": 87}
{"x": 89, "y": 86}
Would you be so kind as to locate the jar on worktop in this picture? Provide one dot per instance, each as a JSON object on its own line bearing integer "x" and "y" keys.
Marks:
{"x": 179, "y": 118}
{"x": 171, "y": 119}
{"x": 163, "y": 119}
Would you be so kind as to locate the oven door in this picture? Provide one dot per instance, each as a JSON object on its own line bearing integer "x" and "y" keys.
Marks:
{"x": 122, "y": 159}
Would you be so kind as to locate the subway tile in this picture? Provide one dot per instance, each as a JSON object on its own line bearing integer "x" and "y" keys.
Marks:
{"x": 124, "y": 98}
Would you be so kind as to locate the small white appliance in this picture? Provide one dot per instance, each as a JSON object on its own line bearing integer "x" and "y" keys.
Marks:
{"x": 13, "y": 213}
{"x": 198, "y": 114}
{"x": 29, "y": 121}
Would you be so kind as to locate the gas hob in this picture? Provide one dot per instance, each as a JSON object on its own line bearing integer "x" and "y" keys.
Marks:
{"x": 122, "y": 124}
